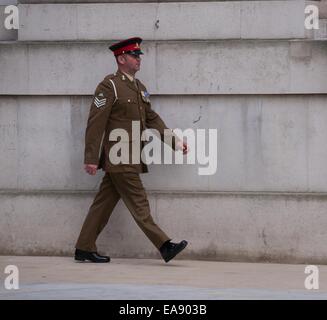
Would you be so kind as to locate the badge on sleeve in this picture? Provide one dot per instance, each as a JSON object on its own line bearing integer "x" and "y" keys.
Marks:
{"x": 100, "y": 100}
{"x": 145, "y": 96}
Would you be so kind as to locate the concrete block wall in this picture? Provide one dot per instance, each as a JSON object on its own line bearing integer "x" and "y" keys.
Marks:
{"x": 247, "y": 68}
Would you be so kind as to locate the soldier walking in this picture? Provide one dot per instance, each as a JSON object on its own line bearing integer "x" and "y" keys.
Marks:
{"x": 119, "y": 100}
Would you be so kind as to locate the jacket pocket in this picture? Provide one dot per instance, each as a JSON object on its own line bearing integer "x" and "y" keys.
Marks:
{"x": 130, "y": 108}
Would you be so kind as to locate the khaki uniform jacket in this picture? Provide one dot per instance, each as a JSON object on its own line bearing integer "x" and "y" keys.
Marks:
{"x": 116, "y": 106}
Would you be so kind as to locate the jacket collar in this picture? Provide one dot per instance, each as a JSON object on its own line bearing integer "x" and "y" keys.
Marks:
{"x": 129, "y": 83}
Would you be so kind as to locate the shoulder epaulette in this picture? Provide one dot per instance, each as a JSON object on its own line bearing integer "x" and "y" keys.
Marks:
{"x": 109, "y": 79}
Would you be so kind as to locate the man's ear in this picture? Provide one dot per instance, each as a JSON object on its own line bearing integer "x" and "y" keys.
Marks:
{"x": 121, "y": 59}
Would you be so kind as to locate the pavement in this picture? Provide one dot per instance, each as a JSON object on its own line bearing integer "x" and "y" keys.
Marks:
{"x": 53, "y": 278}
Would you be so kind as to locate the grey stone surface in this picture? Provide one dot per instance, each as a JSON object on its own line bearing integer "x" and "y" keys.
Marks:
{"x": 282, "y": 228}
{"x": 135, "y": 1}
{"x": 148, "y": 279}
{"x": 321, "y": 33}
{"x": 265, "y": 143}
{"x": 223, "y": 67}
{"x": 8, "y": 2}
{"x": 150, "y": 292}
{"x": 163, "y": 21}
{"x": 321, "y": 5}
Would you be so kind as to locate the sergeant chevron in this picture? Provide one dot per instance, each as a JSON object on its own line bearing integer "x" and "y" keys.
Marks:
{"x": 100, "y": 102}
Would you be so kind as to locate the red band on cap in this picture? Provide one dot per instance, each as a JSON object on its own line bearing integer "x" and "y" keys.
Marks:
{"x": 130, "y": 47}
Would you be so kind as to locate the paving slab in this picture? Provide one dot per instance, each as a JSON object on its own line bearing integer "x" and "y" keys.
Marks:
{"x": 53, "y": 278}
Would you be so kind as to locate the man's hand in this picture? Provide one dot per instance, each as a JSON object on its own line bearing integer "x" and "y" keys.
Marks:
{"x": 182, "y": 146}
{"x": 91, "y": 169}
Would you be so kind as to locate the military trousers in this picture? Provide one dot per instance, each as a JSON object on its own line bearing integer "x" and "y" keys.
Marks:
{"x": 115, "y": 185}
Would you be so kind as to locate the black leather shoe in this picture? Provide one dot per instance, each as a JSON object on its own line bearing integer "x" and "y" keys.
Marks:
{"x": 81, "y": 255}
{"x": 170, "y": 249}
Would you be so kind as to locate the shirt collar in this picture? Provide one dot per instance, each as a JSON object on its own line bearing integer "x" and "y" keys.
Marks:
{"x": 131, "y": 78}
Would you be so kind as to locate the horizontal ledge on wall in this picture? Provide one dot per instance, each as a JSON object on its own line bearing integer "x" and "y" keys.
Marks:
{"x": 134, "y": 1}
{"x": 230, "y": 67}
{"x": 202, "y": 19}
{"x": 170, "y": 95}
{"x": 262, "y": 143}
{"x": 58, "y": 192}
{"x": 174, "y": 41}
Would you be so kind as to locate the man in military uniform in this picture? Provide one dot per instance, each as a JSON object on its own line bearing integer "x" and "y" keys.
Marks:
{"x": 119, "y": 100}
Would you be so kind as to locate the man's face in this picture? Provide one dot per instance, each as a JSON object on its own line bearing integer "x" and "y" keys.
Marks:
{"x": 131, "y": 62}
